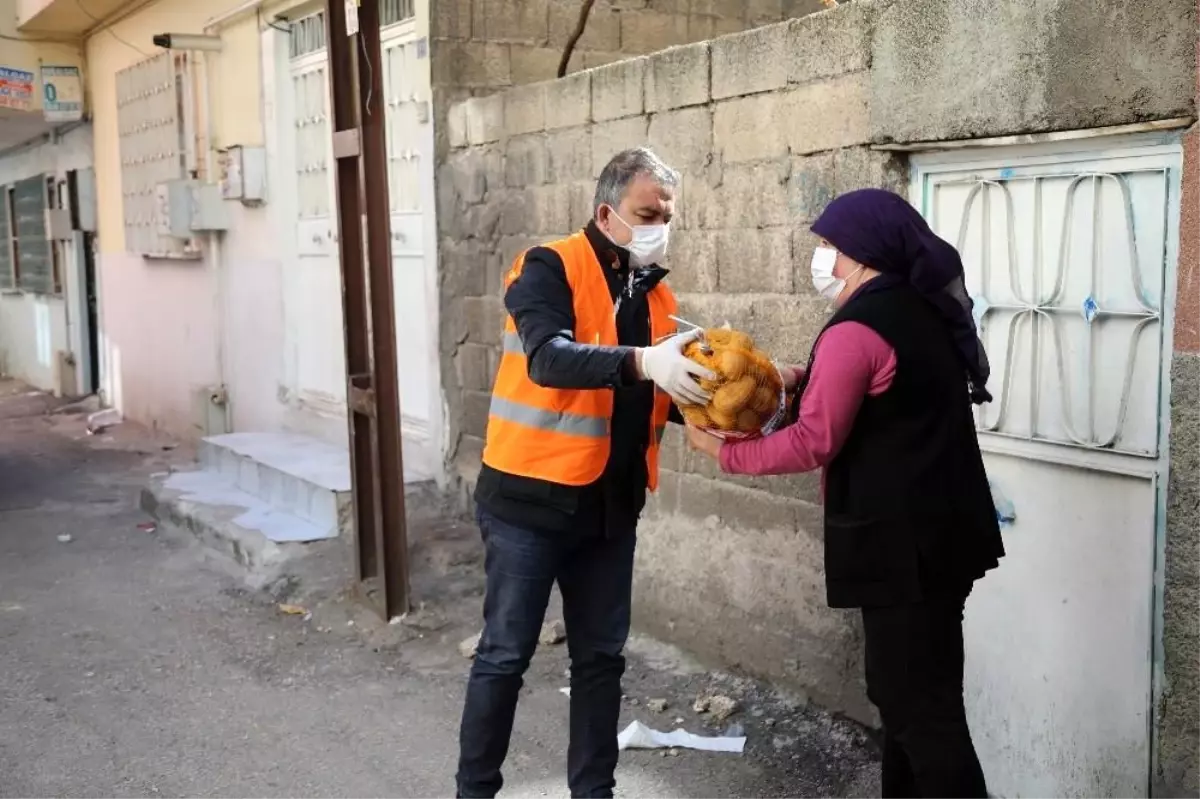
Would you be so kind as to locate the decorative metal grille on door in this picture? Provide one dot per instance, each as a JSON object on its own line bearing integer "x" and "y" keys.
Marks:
{"x": 1066, "y": 272}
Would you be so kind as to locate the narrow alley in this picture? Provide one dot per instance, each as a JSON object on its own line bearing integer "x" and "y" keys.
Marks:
{"x": 132, "y": 663}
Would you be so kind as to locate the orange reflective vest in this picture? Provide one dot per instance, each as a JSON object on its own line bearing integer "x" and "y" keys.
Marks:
{"x": 563, "y": 435}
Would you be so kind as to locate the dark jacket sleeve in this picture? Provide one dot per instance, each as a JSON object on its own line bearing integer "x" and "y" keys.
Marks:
{"x": 541, "y": 305}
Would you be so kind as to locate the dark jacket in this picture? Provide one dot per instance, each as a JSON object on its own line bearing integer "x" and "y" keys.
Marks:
{"x": 540, "y": 303}
{"x": 908, "y": 509}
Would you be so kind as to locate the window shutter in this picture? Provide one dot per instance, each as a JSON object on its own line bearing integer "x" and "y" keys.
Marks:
{"x": 7, "y": 275}
{"x": 35, "y": 263}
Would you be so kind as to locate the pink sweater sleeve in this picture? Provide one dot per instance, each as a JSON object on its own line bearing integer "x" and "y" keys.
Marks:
{"x": 852, "y": 362}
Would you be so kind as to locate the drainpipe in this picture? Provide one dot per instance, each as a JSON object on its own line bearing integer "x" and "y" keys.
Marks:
{"x": 214, "y": 238}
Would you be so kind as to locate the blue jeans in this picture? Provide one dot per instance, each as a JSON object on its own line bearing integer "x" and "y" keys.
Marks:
{"x": 594, "y": 574}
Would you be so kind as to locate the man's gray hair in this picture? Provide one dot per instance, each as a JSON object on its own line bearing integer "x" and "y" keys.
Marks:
{"x": 623, "y": 168}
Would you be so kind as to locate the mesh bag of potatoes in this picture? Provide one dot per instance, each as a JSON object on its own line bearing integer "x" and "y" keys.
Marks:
{"x": 748, "y": 399}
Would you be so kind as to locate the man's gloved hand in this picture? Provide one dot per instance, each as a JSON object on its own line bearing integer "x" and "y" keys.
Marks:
{"x": 667, "y": 367}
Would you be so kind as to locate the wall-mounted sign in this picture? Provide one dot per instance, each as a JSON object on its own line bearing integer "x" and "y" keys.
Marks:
{"x": 62, "y": 94}
{"x": 16, "y": 89}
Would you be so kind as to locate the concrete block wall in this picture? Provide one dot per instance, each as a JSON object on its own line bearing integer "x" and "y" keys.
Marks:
{"x": 1177, "y": 772}
{"x": 489, "y": 44}
{"x": 766, "y": 126}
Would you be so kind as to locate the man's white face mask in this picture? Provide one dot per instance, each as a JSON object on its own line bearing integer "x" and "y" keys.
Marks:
{"x": 649, "y": 243}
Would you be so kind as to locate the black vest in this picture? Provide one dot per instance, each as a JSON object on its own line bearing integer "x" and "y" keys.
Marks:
{"x": 908, "y": 510}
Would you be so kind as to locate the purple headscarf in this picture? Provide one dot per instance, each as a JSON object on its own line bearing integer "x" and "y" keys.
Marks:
{"x": 881, "y": 230}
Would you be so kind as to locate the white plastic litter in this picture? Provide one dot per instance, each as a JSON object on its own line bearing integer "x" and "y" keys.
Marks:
{"x": 565, "y": 691}
{"x": 639, "y": 736}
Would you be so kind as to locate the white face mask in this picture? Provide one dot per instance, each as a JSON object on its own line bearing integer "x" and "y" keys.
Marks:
{"x": 824, "y": 259}
{"x": 649, "y": 243}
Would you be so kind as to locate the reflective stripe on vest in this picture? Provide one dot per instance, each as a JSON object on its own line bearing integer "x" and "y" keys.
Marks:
{"x": 569, "y": 424}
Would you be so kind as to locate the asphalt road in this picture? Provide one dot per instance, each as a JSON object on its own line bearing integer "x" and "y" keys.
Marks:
{"x": 132, "y": 664}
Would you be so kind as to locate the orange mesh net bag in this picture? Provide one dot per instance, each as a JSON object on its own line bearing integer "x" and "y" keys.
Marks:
{"x": 748, "y": 398}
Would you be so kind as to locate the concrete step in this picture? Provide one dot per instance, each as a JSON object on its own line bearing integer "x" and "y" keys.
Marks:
{"x": 291, "y": 474}
{"x": 227, "y": 520}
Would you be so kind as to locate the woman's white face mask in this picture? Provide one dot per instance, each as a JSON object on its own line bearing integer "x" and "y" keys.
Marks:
{"x": 649, "y": 243}
{"x": 824, "y": 259}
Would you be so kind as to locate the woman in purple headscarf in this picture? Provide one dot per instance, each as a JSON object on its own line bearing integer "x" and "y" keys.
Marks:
{"x": 884, "y": 408}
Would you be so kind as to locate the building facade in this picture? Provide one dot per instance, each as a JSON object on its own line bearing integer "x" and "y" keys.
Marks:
{"x": 47, "y": 315}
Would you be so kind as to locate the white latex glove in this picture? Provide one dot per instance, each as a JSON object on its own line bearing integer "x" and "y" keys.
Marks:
{"x": 667, "y": 367}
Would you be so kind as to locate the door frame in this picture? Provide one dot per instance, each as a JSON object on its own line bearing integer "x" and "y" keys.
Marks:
{"x": 955, "y": 156}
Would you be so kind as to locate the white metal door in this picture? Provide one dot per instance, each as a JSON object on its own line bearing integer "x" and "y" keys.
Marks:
{"x": 312, "y": 290}
{"x": 1070, "y": 254}
{"x": 406, "y": 89}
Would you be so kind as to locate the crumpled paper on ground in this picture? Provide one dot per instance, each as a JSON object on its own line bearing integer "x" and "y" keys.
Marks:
{"x": 639, "y": 736}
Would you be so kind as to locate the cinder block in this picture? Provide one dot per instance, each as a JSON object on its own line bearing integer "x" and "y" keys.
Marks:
{"x": 464, "y": 171}
{"x": 692, "y": 259}
{"x": 753, "y": 261}
{"x": 862, "y": 167}
{"x": 734, "y": 10}
{"x": 828, "y": 114}
{"x": 749, "y": 196}
{"x": 618, "y": 90}
{"x": 763, "y": 12}
{"x": 700, "y": 27}
{"x": 804, "y": 241}
{"x": 484, "y": 118}
{"x": 582, "y": 198}
{"x": 830, "y": 43}
{"x": 511, "y": 21}
{"x": 481, "y": 221}
{"x": 812, "y": 186}
{"x": 817, "y": 179}
{"x": 531, "y": 64}
{"x": 475, "y": 365}
{"x": 525, "y": 161}
{"x": 603, "y": 30}
{"x": 551, "y": 210}
{"x": 484, "y": 319}
{"x": 610, "y": 138}
{"x": 750, "y": 62}
{"x": 569, "y": 154}
{"x": 743, "y": 508}
{"x": 749, "y": 128}
{"x": 475, "y": 405}
{"x": 727, "y": 26}
{"x": 784, "y": 326}
{"x": 598, "y": 58}
{"x": 510, "y": 248}
{"x": 471, "y": 64}
{"x": 525, "y": 109}
{"x": 456, "y": 119}
{"x": 517, "y": 211}
{"x": 793, "y": 9}
{"x": 683, "y": 138}
{"x": 678, "y": 77}
{"x": 463, "y": 266}
{"x": 677, "y": 456}
{"x": 569, "y": 101}
{"x": 451, "y": 20}
{"x": 649, "y": 31}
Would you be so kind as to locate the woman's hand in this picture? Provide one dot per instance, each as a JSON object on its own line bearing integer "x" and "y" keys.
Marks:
{"x": 704, "y": 442}
{"x": 791, "y": 376}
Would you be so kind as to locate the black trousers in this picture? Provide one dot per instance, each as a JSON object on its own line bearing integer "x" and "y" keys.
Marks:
{"x": 914, "y": 665}
{"x": 594, "y": 573}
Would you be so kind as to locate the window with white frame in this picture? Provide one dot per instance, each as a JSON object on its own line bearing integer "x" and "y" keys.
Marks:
{"x": 9, "y": 273}
{"x": 155, "y": 118}
{"x": 29, "y": 260}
